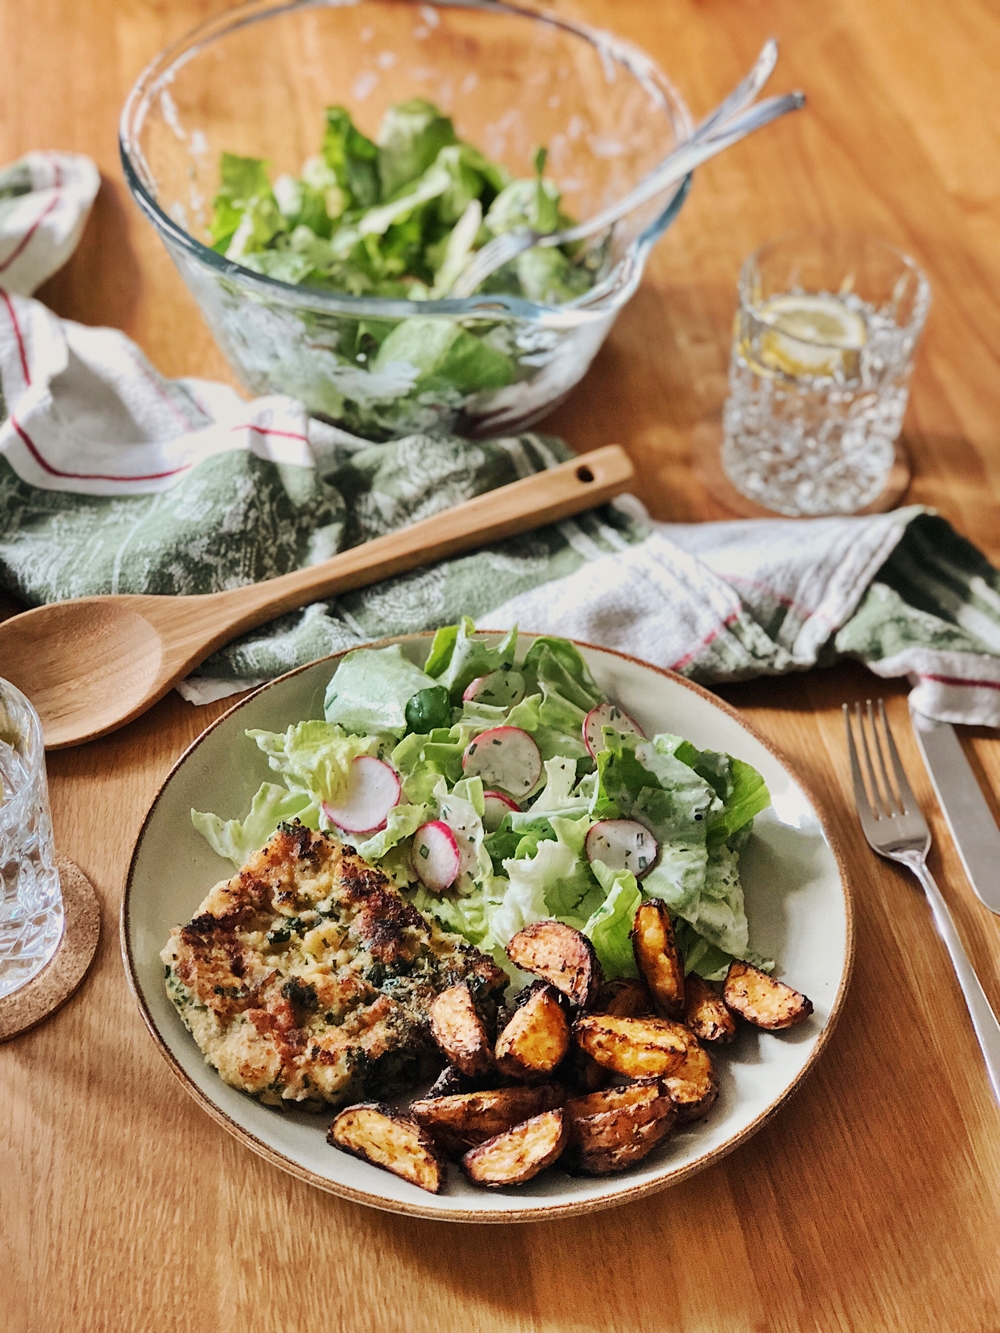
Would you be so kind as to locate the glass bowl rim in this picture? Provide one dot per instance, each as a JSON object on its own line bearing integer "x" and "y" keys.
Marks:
{"x": 922, "y": 294}
{"x": 610, "y": 294}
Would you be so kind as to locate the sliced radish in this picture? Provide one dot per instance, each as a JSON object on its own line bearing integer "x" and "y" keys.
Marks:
{"x": 504, "y": 757}
{"x": 497, "y": 805}
{"x": 372, "y": 790}
{"x": 500, "y": 689}
{"x": 607, "y": 715}
{"x": 622, "y": 844}
{"x": 435, "y": 856}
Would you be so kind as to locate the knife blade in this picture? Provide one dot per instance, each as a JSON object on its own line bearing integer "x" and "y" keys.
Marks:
{"x": 960, "y": 796}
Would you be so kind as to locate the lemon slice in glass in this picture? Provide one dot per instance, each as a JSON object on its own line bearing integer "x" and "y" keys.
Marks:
{"x": 810, "y": 335}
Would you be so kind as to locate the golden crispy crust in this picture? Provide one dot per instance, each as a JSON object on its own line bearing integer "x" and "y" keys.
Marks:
{"x": 560, "y": 955}
{"x": 459, "y": 1031}
{"x": 377, "y": 1134}
{"x": 536, "y": 1038}
{"x": 520, "y": 1153}
{"x": 611, "y": 1130}
{"x": 705, "y": 1012}
{"x": 657, "y": 958}
{"x": 635, "y": 1047}
{"x": 693, "y": 1085}
{"x": 625, "y": 998}
{"x": 761, "y": 1000}
{"x": 462, "y": 1121}
{"x": 308, "y": 977}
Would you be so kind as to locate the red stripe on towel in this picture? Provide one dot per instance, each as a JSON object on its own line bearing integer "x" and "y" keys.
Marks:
{"x": 87, "y": 476}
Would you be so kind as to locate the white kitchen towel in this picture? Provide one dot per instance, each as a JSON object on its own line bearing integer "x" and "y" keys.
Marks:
{"x": 114, "y": 479}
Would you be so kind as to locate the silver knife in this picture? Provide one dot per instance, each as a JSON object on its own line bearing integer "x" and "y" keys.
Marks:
{"x": 970, "y": 819}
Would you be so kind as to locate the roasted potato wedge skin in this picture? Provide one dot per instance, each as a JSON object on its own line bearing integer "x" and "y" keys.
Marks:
{"x": 705, "y": 1012}
{"x": 378, "y": 1134}
{"x": 560, "y": 955}
{"x": 626, "y": 998}
{"x": 459, "y": 1031}
{"x": 536, "y": 1039}
{"x": 694, "y": 1085}
{"x": 635, "y": 1047}
{"x": 763, "y": 1001}
{"x": 520, "y": 1153}
{"x": 449, "y": 1083}
{"x": 611, "y": 1130}
{"x": 583, "y": 1074}
{"x": 461, "y": 1122}
{"x": 657, "y": 958}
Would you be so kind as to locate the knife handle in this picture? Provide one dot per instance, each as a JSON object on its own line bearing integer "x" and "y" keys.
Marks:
{"x": 984, "y": 1020}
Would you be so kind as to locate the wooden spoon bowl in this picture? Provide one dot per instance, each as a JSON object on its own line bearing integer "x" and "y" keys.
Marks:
{"x": 92, "y": 664}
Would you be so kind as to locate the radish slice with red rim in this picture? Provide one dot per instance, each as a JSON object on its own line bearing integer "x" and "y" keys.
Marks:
{"x": 372, "y": 790}
{"x": 502, "y": 688}
{"x": 622, "y": 844}
{"x": 607, "y": 715}
{"x": 434, "y": 856}
{"x": 504, "y": 757}
{"x": 497, "y": 805}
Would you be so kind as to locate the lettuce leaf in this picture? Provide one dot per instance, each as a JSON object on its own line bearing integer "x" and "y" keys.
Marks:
{"x": 444, "y": 355}
{"x": 237, "y": 839}
{"x": 313, "y": 756}
{"x": 609, "y": 926}
{"x": 403, "y": 820}
{"x": 370, "y": 689}
{"x": 409, "y": 139}
{"x": 457, "y": 658}
{"x": 352, "y": 158}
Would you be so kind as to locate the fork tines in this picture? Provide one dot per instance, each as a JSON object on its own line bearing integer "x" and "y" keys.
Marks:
{"x": 884, "y": 800}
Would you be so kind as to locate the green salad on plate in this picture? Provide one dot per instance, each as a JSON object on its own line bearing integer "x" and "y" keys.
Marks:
{"x": 497, "y": 789}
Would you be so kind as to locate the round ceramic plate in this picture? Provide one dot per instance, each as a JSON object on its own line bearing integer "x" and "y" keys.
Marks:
{"x": 797, "y": 902}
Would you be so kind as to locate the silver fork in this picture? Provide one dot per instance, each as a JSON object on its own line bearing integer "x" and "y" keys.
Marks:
{"x": 895, "y": 828}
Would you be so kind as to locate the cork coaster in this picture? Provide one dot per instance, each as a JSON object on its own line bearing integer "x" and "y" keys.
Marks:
{"x": 60, "y": 977}
{"x": 706, "y": 463}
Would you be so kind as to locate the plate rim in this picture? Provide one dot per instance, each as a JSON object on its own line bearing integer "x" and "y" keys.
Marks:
{"x": 539, "y": 1211}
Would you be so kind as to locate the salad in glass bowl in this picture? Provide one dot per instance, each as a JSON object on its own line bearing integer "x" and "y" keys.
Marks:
{"x": 327, "y": 275}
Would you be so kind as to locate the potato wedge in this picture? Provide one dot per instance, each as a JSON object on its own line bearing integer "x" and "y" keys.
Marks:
{"x": 657, "y": 958}
{"x": 583, "y": 1073}
{"x": 378, "y": 1134}
{"x": 693, "y": 1086}
{"x": 535, "y": 1039}
{"x": 460, "y": 1122}
{"x": 610, "y": 1130}
{"x": 519, "y": 1154}
{"x": 459, "y": 1031}
{"x": 635, "y": 1047}
{"x": 705, "y": 1011}
{"x": 626, "y": 998}
{"x": 761, "y": 1000}
{"x": 561, "y": 956}
{"x": 449, "y": 1082}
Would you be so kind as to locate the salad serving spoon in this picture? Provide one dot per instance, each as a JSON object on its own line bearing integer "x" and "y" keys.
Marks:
{"x": 722, "y": 128}
{"x": 91, "y": 664}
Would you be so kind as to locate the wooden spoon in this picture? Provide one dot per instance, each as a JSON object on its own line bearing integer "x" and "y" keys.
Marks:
{"x": 94, "y": 663}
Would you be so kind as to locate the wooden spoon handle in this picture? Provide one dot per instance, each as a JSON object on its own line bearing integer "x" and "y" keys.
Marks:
{"x": 578, "y": 484}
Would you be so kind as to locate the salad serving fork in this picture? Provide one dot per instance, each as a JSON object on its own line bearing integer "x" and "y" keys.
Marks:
{"x": 894, "y": 826}
{"x": 733, "y": 119}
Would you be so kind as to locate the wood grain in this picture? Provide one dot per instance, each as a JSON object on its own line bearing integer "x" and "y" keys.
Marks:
{"x": 872, "y": 1201}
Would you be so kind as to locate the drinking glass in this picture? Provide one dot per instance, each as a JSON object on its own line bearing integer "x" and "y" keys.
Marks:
{"x": 823, "y": 347}
{"x": 31, "y": 909}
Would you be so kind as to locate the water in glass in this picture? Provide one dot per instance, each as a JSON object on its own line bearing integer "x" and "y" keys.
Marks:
{"x": 819, "y": 375}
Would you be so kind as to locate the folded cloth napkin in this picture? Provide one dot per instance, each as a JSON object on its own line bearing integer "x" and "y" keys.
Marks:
{"x": 113, "y": 479}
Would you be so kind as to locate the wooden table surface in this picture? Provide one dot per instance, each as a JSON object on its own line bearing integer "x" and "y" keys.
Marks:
{"x": 872, "y": 1201}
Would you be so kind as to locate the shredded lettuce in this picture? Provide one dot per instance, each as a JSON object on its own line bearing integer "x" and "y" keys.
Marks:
{"x": 314, "y": 757}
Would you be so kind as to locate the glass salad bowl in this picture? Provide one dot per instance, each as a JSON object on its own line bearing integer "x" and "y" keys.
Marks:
{"x": 256, "y": 82}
